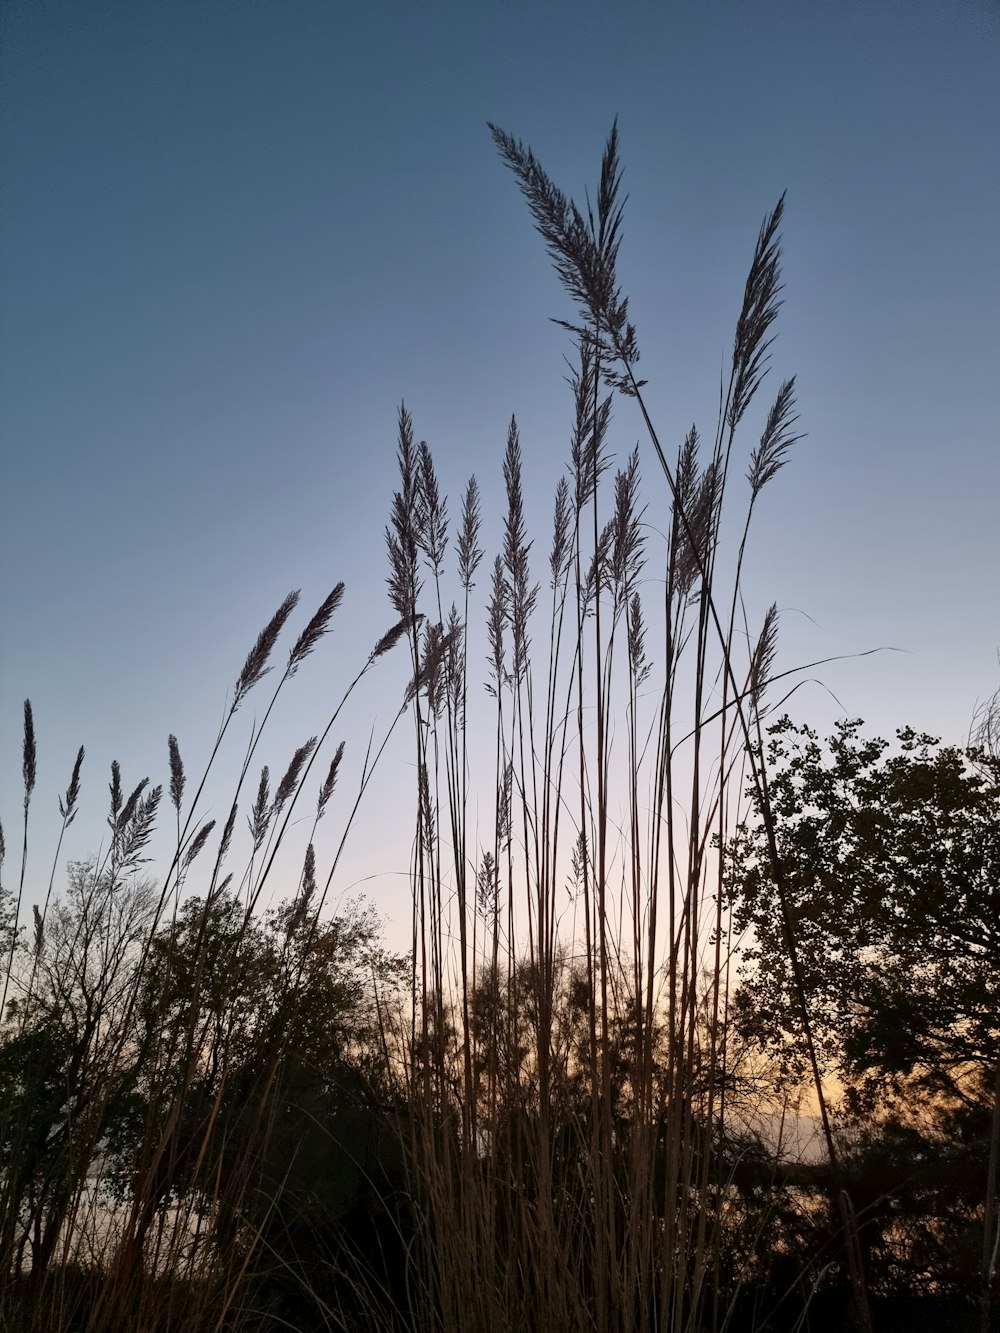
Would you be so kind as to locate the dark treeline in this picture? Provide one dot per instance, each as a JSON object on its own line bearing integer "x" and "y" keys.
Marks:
{"x": 212, "y": 1122}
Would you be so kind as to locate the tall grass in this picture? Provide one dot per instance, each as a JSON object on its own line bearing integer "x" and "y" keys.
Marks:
{"x": 578, "y": 1178}
{"x": 221, "y": 1117}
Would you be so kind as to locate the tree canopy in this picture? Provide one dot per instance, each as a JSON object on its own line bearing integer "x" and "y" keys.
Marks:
{"x": 889, "y": 883}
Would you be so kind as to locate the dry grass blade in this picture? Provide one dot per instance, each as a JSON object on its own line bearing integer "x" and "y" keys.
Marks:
{"x": 256, "y": 665}
{"x": 314, "y": 631}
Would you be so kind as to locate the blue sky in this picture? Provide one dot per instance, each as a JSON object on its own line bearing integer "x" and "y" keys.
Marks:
{"x": 234, "y": 237}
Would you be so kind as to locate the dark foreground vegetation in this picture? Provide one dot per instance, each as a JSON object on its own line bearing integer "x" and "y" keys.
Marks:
{"x": 700, "y": 1033}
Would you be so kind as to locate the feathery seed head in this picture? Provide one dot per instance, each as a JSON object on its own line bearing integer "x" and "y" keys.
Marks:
{"x": 561, "y": 524}
{"x": 314, "y": 631}
{"x": 496, "y": 619}
{"x": 131, "y": 805}
{"x": 596, "y": 579}
{"x": 260, "y": 816}
{"x": 176, "y": 772}
{"x": 115, "y": 787}
{"x": 135, "y": 831}
{"x": 67, "y": 804}
{"x": 488, "y": 885}
{"x": 588, "y": 455}
{"x": 454, "y": 666}
{"x": 764, "y": 654}
{"x": 432, "y": 679}
{"x": 522, "y": 595}
{"x": 769, "y": 457}
{"x": 695, "y": 537}
{"x": 469, "y": 551}
{"x": 290, "y": 781}
{"x": 256, "y": 665}
{"x": 627, "y": 541}
{"x": 297, "y": 915}
{"x": 425, "y": 808}
{"x": 28, "y": 754}
{"x": 760, "y": 309}
{"x": 640, "y": 665}
{"x": 326, "y": 791}
{"x": 401, "y": 536}
{"x": 432, "y": 510}
{"x": 198, "y": 842}
{"x": 584, "y": 253}
{"x": 392, "y": 636}
{"x": 227, "y": 836}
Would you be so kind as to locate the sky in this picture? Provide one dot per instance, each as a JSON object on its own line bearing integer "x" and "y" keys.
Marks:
{"x": 234, "y": 237}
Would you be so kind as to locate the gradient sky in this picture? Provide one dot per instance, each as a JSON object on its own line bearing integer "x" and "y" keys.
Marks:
{"x": 236, "y": 235}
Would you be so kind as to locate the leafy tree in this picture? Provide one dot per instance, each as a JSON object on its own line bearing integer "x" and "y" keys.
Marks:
{"x": 890, "y": 865}
{"x": 261, "y": 1099}
{"x": 889, "y": 892}
{"x": 65, "y": 1056}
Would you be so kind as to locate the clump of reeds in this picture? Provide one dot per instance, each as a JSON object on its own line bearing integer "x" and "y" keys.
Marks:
{"x": 570, "y": 1063}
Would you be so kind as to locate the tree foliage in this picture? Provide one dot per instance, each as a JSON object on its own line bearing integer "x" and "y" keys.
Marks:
{"x": 890, "y": 885}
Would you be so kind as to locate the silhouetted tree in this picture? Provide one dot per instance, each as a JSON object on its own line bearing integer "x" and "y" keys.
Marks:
{"x": 890, "y": 862}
